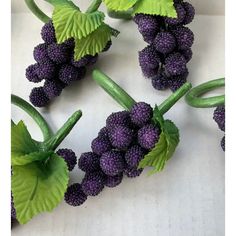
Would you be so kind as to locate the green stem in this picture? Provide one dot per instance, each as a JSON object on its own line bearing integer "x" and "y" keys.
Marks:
{"x": 36, "y": 11}
{"x": 173, "y": 98}
{"x": 113, "y": 89}
{"x": 94, "y": 6}
{"x": 193, "y": 98}
{"x": 56, "y": 139}
{"x": 125, "y": 15}
{"x": 36, "y": 116}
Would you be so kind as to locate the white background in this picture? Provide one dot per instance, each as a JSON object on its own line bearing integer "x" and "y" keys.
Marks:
{"x": 187, "y": 198}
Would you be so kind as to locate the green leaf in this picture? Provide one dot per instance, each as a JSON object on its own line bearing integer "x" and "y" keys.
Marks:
{"x": 69, "y": 22}
{"x": 158, "y": 117}
{"x": 164, "y": 149}
{"x": 172, "y": 137}
{"x": 26, "y": 159}
{"x": 119, "y": 5}
{"x": 38, "y": 187}
{"x": 93, "y": 43}
{"x": 21, "y": 141}
{"x": 156, "y": 7}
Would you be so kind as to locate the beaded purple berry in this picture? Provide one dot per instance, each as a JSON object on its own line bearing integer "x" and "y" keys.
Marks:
{"x": 93, "y": 183}
{"x": 74, "y": 195}
{"x": 112, "y": 163}
{"x": 89, "y": 162}
{"x": 101, "y": 145}
{"x": 141, "y": 113}
{"x": 148, "y": 136}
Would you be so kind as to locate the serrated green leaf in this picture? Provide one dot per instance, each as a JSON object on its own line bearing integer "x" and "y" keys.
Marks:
{"x": 38, "y": 187}
{"x": 119, "y": 5}
{"x": 172, "y": 137}
{"x": 114, "y": 32}
{"x": 94, "y": 43}
{"x": 163, "y": 150}
{"x": 26, "y": 159}
{"x": 21, "y": 141}
{"x": 69, "y": 22}
{"x": 157, "y": 7}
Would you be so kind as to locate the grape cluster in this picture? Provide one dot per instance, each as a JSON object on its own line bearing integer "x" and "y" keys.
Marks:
{"x": 117, "y": 150}
{"x": 219, "y": 117}
{"x": 164, "y": 60}
{"x": 55, "y": 65}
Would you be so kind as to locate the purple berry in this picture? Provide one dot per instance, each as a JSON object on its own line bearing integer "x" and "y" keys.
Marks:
{"x": 48, "y": 33}
{"x": 164, "y": 42}
{"x": 112, "y": 163}
{"x": 223, "y": 143}
{"x": 149, "y": 73}
{"x": 13, "y": 210}
{"x": 113, "y": 181}
{"x": 219, "y": 117}
{"x": 181, "y": 13}
{"x": 92, "y": 59}
{"x": 31, "y": 74}
{"x": 46, "y": 70}
{"x": 175, "y": 64}
{"x": 70, "y": 43}
{"x": 81, "y": 62}
{"x": 149, "y": 38}
{"x": 141, "y": 113}
{"x": 118, "y": 118}
{"x": 187, "y": 54}
{"x": 52, "y": 88}
{"x": 160, "y": 82}
{"x": 190, "y": 13}
{"x": 175, "y": 82}
{"x": 69, "y": 73}
{"x": 184, "y": 37}
{"x": 69, "y": 157}
{"x": 40, "y": 53}
{"x": 131, "y": 172}
{"x": 138, "y": 17}
{"x": 103, "y": 132}
{"x": 148, "y": 25}
{"x": 59, "y": 53}
{"x": 89, "y": 162}
{"x": 149, "y": 58}
{"x": 93, "y": 183}
{"x": 148, "y": 136}
{"x": 74, "y": 195}
{"x": 120, "y": 136}
{"x": 101, "y": 145}
{"x": 38, "y": 97}
{"x": 134, "y": 155}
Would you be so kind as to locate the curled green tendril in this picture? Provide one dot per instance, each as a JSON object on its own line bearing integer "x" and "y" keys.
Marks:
{"x": 194, "y": 99}
{"x": 37, "y": 11}
{"x": 126, "y": 101}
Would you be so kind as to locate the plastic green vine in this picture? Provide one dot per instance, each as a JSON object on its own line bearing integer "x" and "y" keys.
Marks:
{"x": 194, "y": 99}
{"x": 37, "y": 11}
{"x": 126, "y": 101}
{"x": 51, "y": 141}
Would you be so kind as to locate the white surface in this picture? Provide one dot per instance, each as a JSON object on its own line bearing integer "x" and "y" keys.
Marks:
{"x": 209, "y": 7}
{"x": 187, "y": 198}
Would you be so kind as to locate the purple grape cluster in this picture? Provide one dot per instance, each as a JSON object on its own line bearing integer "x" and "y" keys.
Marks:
{"x": 219, "y": 118}
{"x": 117, "y": 150}
{"x": 55, "y": 65}
{"x": 165, "y": 59}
